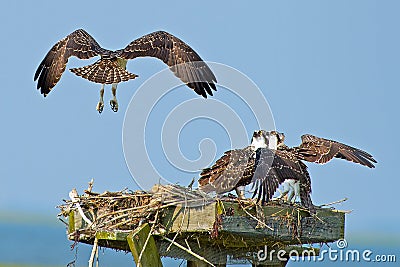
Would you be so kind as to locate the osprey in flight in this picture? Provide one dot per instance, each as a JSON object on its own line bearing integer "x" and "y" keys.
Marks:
{"x": 268, "y": 162}
{"x": 111, "y": 67}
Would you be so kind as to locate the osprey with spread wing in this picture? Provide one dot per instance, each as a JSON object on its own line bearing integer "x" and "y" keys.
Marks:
{"x": 111, "y": 67}
{"x": 268, "y": 162}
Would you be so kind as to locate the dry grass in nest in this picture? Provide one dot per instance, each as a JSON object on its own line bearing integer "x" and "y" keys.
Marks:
{"x": 126, "y": 210}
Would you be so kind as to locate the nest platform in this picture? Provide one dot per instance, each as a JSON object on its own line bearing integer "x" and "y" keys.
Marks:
{"x": 174, "y": 221}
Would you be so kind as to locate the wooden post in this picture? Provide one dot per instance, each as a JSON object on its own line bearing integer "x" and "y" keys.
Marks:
{"x": 143, "y": 247}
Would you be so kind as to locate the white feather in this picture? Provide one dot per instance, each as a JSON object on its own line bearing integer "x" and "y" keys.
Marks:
{"x": 258, "y": 142}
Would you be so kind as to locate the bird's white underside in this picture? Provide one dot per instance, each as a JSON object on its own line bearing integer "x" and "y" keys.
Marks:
{"x": 272, "y": 142}
{"x": 258, "y": 142}
{"x": 291, "y": 187}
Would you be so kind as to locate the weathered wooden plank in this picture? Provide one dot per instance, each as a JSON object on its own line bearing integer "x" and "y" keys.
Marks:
{"x": 307, "y": 230}
{"x": 287, "y": 223}
{"x": 71, "y": 222}
{"x": 284, "y": 222}
{"x": 112, "y": 235}
{"x": 75, "y": 222}
{"x": 143, "y": 247}
{"x": 194, "y": 219}
{"x": 239, "y": 234}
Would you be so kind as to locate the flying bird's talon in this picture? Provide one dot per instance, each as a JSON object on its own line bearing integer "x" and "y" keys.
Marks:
{"x": 100, "y": 107}
{"x": 114, "y": 105}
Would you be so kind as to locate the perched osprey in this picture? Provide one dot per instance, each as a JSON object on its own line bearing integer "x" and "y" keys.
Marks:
{"x": 319, "y": 150}
{"x": 268, "y": 162}
{"x": 261, "y": 164}
{"x": 111, "y": 67}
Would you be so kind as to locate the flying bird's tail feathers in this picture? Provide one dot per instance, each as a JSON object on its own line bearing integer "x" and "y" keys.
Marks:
{"x": 104, "y": 71}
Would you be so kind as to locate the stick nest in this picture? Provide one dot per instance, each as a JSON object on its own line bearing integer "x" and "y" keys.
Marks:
{"x": 126, "y": 210}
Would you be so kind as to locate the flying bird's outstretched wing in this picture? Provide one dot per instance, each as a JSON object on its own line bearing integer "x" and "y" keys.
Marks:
{"x": 79, "y": 44}
{"x": 233, "y": 169}
{"x": 320, "y": 150}
{"x": 272, "y": 167}
{"x": 180, "y": 57}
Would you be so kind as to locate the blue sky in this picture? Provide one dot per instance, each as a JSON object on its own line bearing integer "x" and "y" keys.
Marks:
{"x": 328, "y": 68}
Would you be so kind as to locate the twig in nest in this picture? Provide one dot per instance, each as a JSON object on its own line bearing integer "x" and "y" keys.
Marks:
{"x": 260, "y": 215}
{"x": 190, "y": 186}
{"x": 216, "y": 226}
{"x": 66, "y": 224}
{"x": 198, "y": 242}
{"x": 180, "y": 226}
{"x": 255, "y": 218}
{"x": 334, "y": 202}
{"x": 139, "y": 263}
{"x": 187, "y": 244}
{"x": 188, "y": 251}
{"x": 344, "y": 211}
{"x": 76, "y": 236}
{"x": 301, "y": 208}
{"x": 90, "y": 187}
{"x": 75, "y": 199}
{"x": 124, "y": 210}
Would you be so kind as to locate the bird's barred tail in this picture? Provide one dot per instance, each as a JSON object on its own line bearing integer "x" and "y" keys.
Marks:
{"x": 104, "y": 71}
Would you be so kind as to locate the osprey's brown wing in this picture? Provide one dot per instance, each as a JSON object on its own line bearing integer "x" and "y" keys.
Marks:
{"x": 233, "y": 169}
{"x": 79, "y": 44}
{"x": 305, "y": 179}
{"x": 272, "y": 167}
{"x": 305, "y": 188}
{"x": 186, "y": 64}
{"x": 320, "y": 150}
